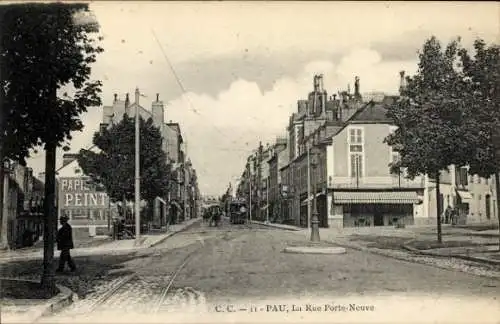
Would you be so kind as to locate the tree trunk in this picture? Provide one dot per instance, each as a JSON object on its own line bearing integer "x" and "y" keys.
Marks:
{"x": 50, "y": 219}
{"x": 438, "y": 208}
{"x": 4, "y": 244}
{"x": 3, "y": 228}
{"x": 497, "y": 192}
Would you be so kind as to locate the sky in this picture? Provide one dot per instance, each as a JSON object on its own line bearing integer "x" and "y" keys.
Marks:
{"x": 238, "y": 68}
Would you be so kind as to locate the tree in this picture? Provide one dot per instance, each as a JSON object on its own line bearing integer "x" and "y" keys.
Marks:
{"x": 430, "y": 118}
{"x": 48, "y": 47}
{"x": 482, "y": 76}
{"x": 114, "y": 165}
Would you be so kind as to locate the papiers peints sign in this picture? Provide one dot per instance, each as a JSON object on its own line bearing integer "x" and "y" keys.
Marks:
{"x": 76, "y": 192}
{"x": 81, "y": 202}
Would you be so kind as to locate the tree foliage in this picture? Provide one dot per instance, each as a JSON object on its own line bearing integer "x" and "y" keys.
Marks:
{"x": 114, "y": 165}
{"x": 431, "y": 114}
{"x": 482, "y": 76}
{"x": 43, "y": 49}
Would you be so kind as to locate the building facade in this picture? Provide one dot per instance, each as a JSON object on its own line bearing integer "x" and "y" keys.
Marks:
{"x": 86, "y": 206}
{"x": 23, "y": 199}
{"x": 338, "y": 163}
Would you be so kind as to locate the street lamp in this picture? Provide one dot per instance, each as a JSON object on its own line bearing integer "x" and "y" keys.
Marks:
{"x": 137, "y": 171}
{"x": 315, "y": 219}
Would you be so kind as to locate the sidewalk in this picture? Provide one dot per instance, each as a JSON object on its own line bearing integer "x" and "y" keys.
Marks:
{"x": 111, "y": 248}
{"x": 29, "y": 310}
{"x": 457, "y": 258}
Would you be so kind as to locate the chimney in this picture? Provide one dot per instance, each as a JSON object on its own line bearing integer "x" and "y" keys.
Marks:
{"x": 334, "y": 97}
{"x": 402, "y": 83}
{"x": 158, "y": 111}
{"x": 137, "y": 94}
{"x": 116, "y": 97}
{"x": 320, "y": 82}
{"x": 127, "y": 101}
{"x": 316, "y": 83}
{"x": 356, "y": 86}
{"x": 348, "y": 88}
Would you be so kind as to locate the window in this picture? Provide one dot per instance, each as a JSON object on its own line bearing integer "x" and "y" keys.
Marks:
{"x": 461, "y": 177}
{"x": 356, "y": 152}
{"x": 394, "y": 155}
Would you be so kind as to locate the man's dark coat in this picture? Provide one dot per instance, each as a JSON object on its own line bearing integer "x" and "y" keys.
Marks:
{"x": 65, "y": 237}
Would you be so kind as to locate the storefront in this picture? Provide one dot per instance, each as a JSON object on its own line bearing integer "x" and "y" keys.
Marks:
{"x": 375, "y": 208}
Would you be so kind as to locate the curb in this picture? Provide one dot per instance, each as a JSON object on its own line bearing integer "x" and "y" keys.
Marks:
{"x": 277, "y": 226}
{"x": 56, "y": 303}
{"x": 314, "y": 250}
{"x": 173, "y": 233}
{"x": 63, "y": 299}
{"x": 397, "y": 257}
{"x": 458, "y": 256}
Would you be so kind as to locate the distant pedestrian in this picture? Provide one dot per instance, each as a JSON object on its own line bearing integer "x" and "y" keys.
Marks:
{"x": 454, "y": 216}
{"x": 64, "y": 244}
{"x": 448, "y": 214}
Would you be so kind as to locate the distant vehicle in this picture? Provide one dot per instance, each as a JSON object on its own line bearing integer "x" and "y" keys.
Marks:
{"x": 238, "y": 212}
{"x": 212, "y": 215}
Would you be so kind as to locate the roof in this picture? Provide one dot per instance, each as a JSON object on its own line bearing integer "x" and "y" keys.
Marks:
{"x": 373, "y": 112}
{"x": 175, "y": 127}
{"x": 68, "y": 170}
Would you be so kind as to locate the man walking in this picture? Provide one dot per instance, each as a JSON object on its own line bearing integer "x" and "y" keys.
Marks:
{"x": 64, "y": 244}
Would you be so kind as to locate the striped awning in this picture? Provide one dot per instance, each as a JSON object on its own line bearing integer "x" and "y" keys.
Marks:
{"x": 376, "y": 197}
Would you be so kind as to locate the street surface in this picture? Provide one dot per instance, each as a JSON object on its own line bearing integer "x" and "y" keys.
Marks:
{"x": 240, "y": 266}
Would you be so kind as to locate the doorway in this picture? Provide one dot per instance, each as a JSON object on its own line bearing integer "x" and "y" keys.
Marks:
{"x": 378, "y": 219}
{"x": 487, "y": 201}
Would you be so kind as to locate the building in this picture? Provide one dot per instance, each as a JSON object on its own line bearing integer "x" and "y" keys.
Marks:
{"x": 22, "y": 221}
{"x": 361, "y": 190}
{"x": 337, "y": 158}
{"x": 318, "y": 112}
{"x": 178, "y": 205}
{"x": 278, "y": 158}
{"x": 473, "y": 197}
{"x": 85, "y": 204}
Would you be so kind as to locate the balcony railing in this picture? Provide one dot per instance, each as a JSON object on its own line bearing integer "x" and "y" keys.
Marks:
{"x": 392, "y": 182}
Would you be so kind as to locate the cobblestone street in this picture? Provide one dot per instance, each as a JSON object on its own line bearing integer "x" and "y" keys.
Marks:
{"x": 238, "y": 265}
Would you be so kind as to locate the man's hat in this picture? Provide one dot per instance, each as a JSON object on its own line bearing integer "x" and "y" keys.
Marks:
{"x": 64, "y": 217}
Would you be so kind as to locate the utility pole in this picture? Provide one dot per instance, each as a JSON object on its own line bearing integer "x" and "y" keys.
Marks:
{"x": 267, "y": 200}
{"x": 185, "y": 181}
{"x": 137, "y": 171}
{"x": 315, "y": 219}
{"x": 250, "y": 205}
{"x": 308, "y": 187}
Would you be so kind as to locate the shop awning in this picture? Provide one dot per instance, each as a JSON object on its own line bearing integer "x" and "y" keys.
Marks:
{"x": 376, "y": 197}
{"x": 465, "y": 196}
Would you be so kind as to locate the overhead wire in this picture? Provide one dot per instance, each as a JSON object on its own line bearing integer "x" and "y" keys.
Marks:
{"x": 183, "y": 89}
{"x": 184, "y": 92}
